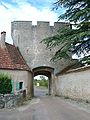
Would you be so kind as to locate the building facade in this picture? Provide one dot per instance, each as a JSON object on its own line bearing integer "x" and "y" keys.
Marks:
{"x": 13, "y": 64}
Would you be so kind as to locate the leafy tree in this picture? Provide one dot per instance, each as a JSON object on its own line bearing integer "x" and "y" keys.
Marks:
{"x": 5, "y": 84}
{"x": 42, "y": 81}
{"x": 75, "y": 41}
{"x": 42, "y": 77}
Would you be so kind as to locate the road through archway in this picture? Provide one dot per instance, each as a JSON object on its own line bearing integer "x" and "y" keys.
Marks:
{"x": 47, "y": 71}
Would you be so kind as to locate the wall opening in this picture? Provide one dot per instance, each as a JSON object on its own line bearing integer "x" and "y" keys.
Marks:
{"x": 20, "y": 85}
{"x": 41, "y": 83}
{"x": 42, "y": 73}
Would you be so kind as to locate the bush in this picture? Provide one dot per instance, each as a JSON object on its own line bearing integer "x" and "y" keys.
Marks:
{"x": 5, "y": 84}
{"x": 43, "y": 83}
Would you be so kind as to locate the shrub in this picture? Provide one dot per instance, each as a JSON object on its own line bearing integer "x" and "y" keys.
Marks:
{"x": 43, "y": 83}
{"x": 5, "y": 84}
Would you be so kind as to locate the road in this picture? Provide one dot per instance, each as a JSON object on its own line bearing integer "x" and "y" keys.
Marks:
{"x": 46, "y": 108}
{"x": 40, "y": 91}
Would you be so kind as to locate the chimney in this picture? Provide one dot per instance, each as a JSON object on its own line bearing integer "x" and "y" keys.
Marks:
{"x": 3, "y": 38}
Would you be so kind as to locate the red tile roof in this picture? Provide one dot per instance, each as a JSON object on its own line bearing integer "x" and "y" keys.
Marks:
{"x": 11, "y": 58}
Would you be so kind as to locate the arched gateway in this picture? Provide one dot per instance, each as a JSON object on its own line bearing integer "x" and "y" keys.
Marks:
{"x": 47, "y": 71}
{"x": 28, "y": 37}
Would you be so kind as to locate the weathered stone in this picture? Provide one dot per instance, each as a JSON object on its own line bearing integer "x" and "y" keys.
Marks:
{"x": 9, "y": 104}
{"x": 9, "y": 100}
{"x": 28, "y": 37}
{"x": 74, "y": 84}
{"x": 2, "y": 104}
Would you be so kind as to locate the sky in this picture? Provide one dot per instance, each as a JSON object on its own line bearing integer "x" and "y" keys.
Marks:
{"x": 38, "y": 77}
{"x": 26, "y": 10}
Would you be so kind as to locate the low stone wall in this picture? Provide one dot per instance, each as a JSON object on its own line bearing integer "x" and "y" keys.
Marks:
{"x": 74, "y": 84}
{"x": 9, "y": 100}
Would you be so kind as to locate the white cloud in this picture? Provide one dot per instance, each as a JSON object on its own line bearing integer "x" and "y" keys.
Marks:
{"x": 24, "y": 11}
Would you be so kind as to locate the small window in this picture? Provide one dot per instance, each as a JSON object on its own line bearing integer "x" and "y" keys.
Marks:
{"x": 20, "y": 85}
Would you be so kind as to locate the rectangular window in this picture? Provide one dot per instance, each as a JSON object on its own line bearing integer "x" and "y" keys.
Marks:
{"x": 20, "y": 85}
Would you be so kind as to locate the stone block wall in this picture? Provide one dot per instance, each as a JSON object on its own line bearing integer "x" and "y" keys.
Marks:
{"x": 9, "y": 100}
{"x": 28, "y": 37}
{"x": 74, "y": 84}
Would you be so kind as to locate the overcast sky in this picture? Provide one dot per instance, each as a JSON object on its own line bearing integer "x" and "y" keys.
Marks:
{"x": 28, "y": 10}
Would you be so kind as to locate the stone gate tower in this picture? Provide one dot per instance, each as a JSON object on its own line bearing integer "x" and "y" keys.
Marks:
{"x": 27, "y": 38}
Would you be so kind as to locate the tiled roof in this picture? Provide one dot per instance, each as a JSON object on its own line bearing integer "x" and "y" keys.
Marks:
{"x": 11, "y": 58}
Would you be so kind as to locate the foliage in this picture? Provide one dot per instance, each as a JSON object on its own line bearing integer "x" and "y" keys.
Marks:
{"x": 43, "y": 83}
{"x": 72, "y": 41}
{"x": 5, "y": 84}
{"x": 42, "y": 77}
{"x": 85, "y": 60}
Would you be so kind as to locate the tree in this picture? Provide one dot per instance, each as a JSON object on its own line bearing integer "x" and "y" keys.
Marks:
{"x": 75, "y": 41}
{"x": 42, "y": 77}
{"x": 5, "y": 84}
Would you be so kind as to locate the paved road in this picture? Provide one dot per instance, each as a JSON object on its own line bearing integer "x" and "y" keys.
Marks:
{"x": 40, "y": 91}
{"x": 45, "y": 108}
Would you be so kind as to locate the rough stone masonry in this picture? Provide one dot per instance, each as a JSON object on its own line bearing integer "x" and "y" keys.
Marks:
{"x": 28, "y": 37}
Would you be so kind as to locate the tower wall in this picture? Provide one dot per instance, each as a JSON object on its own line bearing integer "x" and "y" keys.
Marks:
{"x": 27, "y": 38}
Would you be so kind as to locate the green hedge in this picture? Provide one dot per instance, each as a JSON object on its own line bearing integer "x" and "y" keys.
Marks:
{"x": 5, "y": 84}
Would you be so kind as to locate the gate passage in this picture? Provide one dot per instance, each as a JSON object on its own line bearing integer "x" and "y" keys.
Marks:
{"x": 28, "y": 37}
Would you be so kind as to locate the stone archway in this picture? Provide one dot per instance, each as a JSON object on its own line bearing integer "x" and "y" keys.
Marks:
{"x": 47, "y": 71}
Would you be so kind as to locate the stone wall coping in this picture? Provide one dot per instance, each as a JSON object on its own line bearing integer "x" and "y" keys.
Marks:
{"x": 80, "y": 69}
{"x": 39, "y": 23}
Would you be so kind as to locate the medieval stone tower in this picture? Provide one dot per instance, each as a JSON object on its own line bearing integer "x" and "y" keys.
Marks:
{"x": 28, "y": 37}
